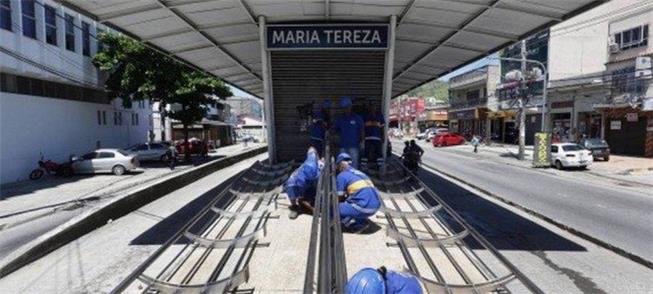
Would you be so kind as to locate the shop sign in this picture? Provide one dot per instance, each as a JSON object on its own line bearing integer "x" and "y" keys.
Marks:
{"x": 632, "y": 117}
{"x": 615, "y": 125}
{"x": 562, "y": 104}
{"x": 542, "y": 150}
{"x": 464, "y": 114}
{"x": 327, "y": 36}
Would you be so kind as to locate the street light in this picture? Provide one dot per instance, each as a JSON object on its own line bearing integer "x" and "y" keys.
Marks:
{"x": 545, "y": 81}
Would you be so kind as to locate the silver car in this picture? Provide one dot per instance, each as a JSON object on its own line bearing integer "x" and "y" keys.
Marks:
{"x": 115, "y": 161}
{"x": 149, "y": 151}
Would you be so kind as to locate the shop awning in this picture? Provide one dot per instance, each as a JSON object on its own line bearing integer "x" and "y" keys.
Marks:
{"x": 433, "y": 37}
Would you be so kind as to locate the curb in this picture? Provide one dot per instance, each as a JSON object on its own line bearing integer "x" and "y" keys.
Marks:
{"x": 575, "y": 232}
{"x": 95, "y": 218}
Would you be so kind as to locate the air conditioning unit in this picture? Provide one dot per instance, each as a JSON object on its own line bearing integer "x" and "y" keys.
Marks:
{"x": 613, "y": 48}
{"x": 643, "y": 67}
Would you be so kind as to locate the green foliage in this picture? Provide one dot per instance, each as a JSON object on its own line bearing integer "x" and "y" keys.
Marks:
{"x": 437, "y": 89}
{"x": 136, "y": 72}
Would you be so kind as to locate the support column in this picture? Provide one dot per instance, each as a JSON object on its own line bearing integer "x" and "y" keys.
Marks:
{"x": 268, "y": 103}
{"x": 387, "y": 86}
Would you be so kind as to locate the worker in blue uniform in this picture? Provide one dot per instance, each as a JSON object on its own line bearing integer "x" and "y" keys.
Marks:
{"x": 374, "y": 124}
{"x": 301, "y": 185}
{"x": 350, "y": 128}
{"x": 317, "y": 129}
{"x": 382, "y": 281}
{"x": 358, "y": 198}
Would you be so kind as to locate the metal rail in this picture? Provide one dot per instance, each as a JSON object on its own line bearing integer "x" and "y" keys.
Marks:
{"x": 440, "y": 286}
{"x": 208, "y": 237}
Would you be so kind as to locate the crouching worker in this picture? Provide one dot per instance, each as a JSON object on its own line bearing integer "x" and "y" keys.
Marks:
{"x": 302, "y": 183}
{"x": 359, "y": 199}
{"x": 369, "y": 280}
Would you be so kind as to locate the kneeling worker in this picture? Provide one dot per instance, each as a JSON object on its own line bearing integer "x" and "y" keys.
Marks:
{"x": 359, "y": 199}
{"x": 301, "y": 185}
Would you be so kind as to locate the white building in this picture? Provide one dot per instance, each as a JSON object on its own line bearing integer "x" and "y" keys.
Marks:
{"x": 596, "y": 88}
{"x": 51, "y": 98}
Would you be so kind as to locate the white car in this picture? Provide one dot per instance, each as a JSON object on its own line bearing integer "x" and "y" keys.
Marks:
{"x": 423, "y": 134}
{"x": 435, "y": 132}
{"x": 115, "y": 161}
{"x": 570, "y": 155}
{"x": 150, "y": 151}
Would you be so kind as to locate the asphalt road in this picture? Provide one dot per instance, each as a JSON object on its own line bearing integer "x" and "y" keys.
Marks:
{"x": 617, "y": 216}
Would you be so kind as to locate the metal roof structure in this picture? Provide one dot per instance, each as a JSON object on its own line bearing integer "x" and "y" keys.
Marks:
{"x": 434, "y": 37}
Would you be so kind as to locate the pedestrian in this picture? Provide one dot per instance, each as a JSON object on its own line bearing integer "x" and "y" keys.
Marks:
{"x": 475, "y": 142}
{"x": 374, "y": 124}
{"x": 171, "y": 154}
{"x": 302, "y": 183}
{"x": 317, "y": 129}
{"x": 350, "y": 130}
{"x": 358, "y": 197}
{"x": 373, "y": 281}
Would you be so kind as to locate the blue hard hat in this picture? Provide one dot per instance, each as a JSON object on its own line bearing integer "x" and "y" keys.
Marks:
{"x": 342, "y": 156}
{"x": 345, "y": 102}
{"x": 366, "y": 281}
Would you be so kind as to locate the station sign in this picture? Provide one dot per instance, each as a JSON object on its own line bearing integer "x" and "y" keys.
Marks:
{"x": 327, "y": 36}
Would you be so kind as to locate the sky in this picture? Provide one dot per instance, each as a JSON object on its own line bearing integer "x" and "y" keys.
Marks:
{"x": 238, "y": 93}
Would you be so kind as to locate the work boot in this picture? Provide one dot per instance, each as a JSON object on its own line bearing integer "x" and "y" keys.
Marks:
{"x": 294, "y": 211}
{"x": 357, "y": 227}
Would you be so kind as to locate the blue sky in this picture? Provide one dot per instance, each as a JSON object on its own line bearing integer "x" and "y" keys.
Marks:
{"x": 471, "y": 66}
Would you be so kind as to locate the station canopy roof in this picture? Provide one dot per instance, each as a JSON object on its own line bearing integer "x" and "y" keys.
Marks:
{"x": 433, "y": 37}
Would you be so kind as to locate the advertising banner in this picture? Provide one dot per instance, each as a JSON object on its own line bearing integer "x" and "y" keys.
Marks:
{"x": 542, "y": 150}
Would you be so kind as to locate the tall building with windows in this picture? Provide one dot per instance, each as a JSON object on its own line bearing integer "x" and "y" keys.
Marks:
{"x": 52, "y": 102}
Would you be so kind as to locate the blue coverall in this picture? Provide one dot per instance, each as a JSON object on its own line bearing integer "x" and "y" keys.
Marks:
{"x": 362, "y": 198}
{"x": 302, "y": 182}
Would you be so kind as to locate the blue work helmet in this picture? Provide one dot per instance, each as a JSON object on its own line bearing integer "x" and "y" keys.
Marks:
{"x": 366, "y": 281}
{"x": 343, "y": 156}
{"x": 345, "y": 102}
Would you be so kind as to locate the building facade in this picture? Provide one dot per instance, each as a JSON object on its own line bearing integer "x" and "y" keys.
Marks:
{"x": 245, "y": 106}
{"x": 52, "y": 101}
{"x": 604, "y": 93}
{"x": 471, "y": 99}
{"x": 405, "y": 112}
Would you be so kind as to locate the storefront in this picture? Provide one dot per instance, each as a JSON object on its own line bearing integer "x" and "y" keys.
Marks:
{"x": 561, "y": 118}
{"x": 629, "y": 131}
{"x": 464, "y": 122}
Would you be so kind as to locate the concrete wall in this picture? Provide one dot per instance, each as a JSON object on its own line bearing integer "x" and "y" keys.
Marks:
{"x": 580, "y": 45}
{"x": 31, "y": 126}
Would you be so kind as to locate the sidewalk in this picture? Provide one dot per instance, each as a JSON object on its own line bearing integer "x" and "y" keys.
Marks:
{"x": 637, "y": 170}
{"x": 25, "y": 200}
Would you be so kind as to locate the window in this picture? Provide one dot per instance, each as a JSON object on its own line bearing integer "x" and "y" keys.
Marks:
{"x": 86, "y": 39}
{"x": 134, "y": 119}
{"x": 70, "y": 32}
{"x": 100, "y": 46}
{"x": 29, "y": 19}
{"x": 106, "y": 155}
{"x": 50, "y": 25}
{"x": 104, "y": 117}
{"x": 117, "y": 118}
{"x": 99, "y": 118}
{"x": 632, "y": 38}
{"x": 5, "y": 14}
{"x": 554, "y": 149}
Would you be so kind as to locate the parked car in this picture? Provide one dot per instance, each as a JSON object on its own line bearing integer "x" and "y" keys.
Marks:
{"x": 570, "y": 155}
{"x": 195, "y": 145}
{"x": 149, "y": 151}
{"x": 448, "y": 139}
{"x": 116, "y": 161}
{"x": 598, "y": 147}
{"x": 423, "y": 135}
{"x": 435, "y": 132}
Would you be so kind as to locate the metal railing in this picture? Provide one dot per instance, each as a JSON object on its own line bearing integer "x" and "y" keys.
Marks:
{"x": 326, "y": 248}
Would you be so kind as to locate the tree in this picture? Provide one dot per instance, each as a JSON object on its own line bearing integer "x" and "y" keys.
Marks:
{"x": 136, "y": 72}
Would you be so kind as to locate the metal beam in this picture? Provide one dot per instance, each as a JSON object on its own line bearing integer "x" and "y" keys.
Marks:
{"x": 248, "y": 10}
{"x": 405, "y": 12}
{"x": 206, "y": 36}
{"x": 446, "y": 39}
{"x": 327, "y": 9}
{"x": 450, "y": 45}
{"x": 512, "y": 8}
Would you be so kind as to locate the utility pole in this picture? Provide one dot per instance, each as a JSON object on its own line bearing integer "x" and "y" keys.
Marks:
{"x": 522, "y": 103}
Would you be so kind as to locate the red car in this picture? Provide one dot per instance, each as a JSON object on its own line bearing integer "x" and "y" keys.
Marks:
{"x": 447, "y": 139}
{"x": 196, "y": 147}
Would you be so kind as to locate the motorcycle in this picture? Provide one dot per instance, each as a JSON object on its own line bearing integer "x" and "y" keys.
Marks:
{"x": 50, "y": 167}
